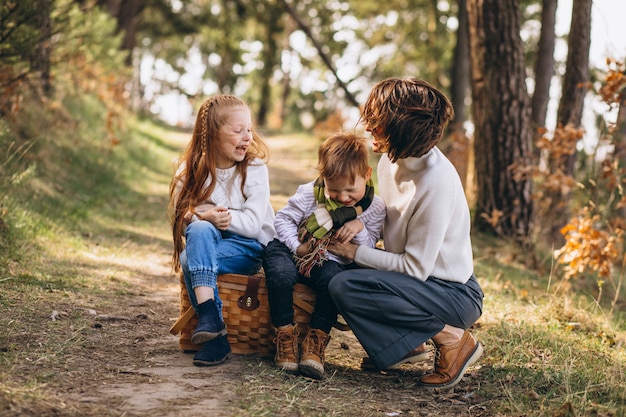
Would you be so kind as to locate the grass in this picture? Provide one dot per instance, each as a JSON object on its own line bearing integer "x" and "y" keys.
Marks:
{"x": 84, "y": 227}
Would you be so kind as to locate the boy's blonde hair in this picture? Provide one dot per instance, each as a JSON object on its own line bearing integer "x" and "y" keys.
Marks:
{"x": 343, "y": 155}
{"x": 410, "y": 114}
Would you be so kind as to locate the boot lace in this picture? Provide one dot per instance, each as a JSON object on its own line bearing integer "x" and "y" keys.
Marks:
{"x": 286, "y": 343}
{"x": 315, "y": 344}
{"x": 437, "y": 359}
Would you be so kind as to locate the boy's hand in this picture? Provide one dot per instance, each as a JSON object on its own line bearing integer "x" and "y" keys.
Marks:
{"x": 348, "y": 231}
{"x": 303, "y": 249}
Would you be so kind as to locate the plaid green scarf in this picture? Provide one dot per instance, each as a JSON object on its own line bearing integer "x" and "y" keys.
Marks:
{"x": 318, "y": 228}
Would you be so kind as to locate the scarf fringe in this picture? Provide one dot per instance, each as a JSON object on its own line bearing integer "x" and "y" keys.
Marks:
{"x": 317, "y": 255}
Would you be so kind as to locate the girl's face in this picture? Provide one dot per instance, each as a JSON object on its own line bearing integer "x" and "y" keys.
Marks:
{"x": 235, "y": 138}
{"x": 343, "y": 191}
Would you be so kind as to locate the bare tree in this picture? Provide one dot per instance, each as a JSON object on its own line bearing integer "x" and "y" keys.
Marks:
{"x": 457, "y": 146}
{"x": 320, "y": 50}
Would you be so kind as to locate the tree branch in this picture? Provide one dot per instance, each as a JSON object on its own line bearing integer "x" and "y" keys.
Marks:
{"x": 307, "y": 30}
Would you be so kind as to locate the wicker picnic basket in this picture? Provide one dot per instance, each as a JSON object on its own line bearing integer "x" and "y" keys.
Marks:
{"x": 246, "y": 314}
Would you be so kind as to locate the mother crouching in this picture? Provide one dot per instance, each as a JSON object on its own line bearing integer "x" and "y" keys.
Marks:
{"x": 422, "y": 286}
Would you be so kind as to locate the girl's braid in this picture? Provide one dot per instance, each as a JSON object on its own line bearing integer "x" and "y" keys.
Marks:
{"x": 204, "y": 114}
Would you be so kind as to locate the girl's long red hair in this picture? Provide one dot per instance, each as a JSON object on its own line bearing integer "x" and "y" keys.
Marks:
{"x": 187, "y": 188}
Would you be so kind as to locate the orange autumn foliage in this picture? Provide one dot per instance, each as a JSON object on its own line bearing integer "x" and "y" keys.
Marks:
{"x": 588, "y": 248}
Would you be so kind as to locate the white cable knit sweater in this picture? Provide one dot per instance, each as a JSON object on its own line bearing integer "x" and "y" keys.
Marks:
{"x": 427, "y": 228}
{"x": 252, "y": 216}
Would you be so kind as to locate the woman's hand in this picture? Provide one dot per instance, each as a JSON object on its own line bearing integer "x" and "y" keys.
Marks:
{"x": 346, "y": 250}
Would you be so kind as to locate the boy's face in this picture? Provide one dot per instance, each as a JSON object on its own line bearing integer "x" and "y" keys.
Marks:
{"x": 343, "y": 191}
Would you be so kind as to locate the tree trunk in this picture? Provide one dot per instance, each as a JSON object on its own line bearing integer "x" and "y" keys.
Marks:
{"x": 619, "y": 137}
{"x": 270, "y": 18}
{"x": 126, "y": 22}
{"x": 461, "y": 67}
{"x": 457, "y": 145}
{"x": 544, "y": 68}
{"x": 575, "y": 85}
{"x": 501, "y": 113}
{"x": 40, "y": 59}
{"x": 290, "y": 27}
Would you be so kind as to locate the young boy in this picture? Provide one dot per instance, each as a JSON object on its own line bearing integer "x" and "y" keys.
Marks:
{"x": 340, "y": 206}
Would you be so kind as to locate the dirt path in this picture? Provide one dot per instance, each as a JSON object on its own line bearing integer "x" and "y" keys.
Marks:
{"x": 153, "y": 376}
{"x": 149, "y": 374}
{"x": 158, "y": 379}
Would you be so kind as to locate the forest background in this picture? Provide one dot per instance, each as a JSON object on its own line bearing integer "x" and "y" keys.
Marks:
{"x": 549, "y": 199}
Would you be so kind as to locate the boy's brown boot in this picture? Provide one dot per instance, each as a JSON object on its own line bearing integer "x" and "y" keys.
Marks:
{"x": 286, "y": 340}
{"x": 313, "y": 346}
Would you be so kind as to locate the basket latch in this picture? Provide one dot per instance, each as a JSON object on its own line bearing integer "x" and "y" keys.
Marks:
{"x": 250, "y": 299}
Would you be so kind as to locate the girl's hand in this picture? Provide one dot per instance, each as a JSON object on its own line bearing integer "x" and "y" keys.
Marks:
{"x": 346, "y": 250}
{"x": 219, "y": 216}
{"x": 197, "y": 211}
{"x": 348, "y": 231}
{"x": 203, "y": 208}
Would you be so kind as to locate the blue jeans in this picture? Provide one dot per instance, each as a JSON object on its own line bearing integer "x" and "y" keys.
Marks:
{"x": 210, "y": 252}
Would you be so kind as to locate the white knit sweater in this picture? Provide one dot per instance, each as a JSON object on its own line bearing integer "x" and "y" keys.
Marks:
{"x": 427, "y": 228}
{"x": 302, "y": 204}
{"x": 252, "y": 216}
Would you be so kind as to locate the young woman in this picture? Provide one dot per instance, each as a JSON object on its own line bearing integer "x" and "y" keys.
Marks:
{"x": 220, "y": 213}
{"x": 422, "y": 285}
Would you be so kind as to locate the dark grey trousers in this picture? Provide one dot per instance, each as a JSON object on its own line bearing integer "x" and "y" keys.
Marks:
{"x": 281, "y": 274}
{"x": 392, "y": 313}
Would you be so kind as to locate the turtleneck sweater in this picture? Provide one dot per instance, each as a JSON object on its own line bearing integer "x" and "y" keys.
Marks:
{"x": 427, "y": 228}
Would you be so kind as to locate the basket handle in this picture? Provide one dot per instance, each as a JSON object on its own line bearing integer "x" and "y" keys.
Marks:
{"x": 250, "y": 299}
